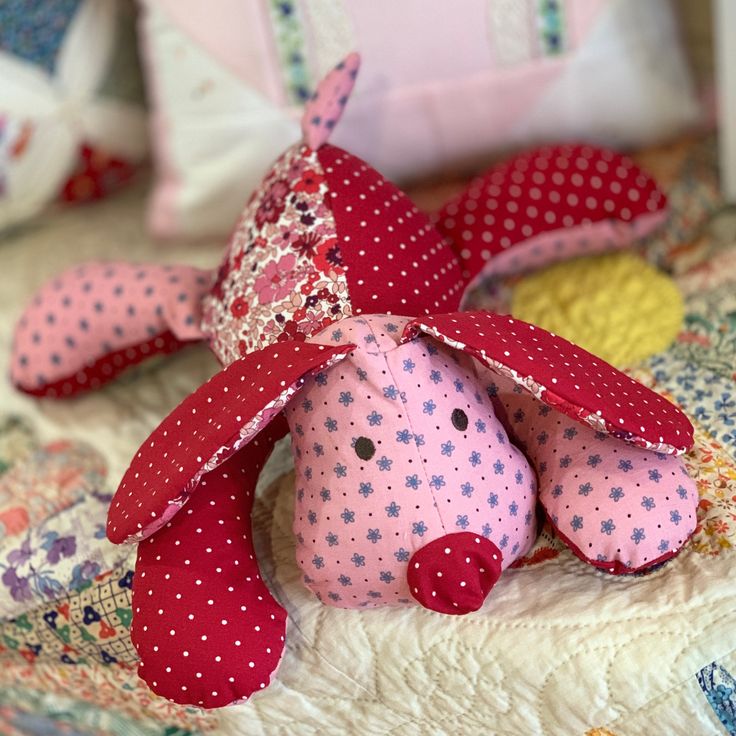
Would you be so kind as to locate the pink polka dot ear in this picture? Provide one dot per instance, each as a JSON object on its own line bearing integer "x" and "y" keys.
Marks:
{"x": 208, "y": 427}
{"x": 326, "y": 106}
{"x": 90, "y": 323}
{"x": 565, "y": 377}
{"x": 206, "y": 628}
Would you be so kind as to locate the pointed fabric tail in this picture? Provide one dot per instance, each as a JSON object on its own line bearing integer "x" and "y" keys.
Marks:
{"x": 327, "y": 104}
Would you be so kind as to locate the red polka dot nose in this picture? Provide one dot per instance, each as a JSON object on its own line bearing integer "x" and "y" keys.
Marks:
{"x": 454, "y": 574}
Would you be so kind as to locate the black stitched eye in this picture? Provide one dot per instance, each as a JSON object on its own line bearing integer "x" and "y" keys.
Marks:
{"x": 365, "y": 449}
{"x": 459, "y": 419}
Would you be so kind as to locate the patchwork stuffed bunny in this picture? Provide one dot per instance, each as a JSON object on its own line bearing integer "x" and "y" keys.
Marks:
{"x": 422, "y": 443}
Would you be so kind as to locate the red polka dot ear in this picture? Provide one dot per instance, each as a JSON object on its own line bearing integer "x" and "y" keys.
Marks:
{"x": 206, "y": 628}
{"x": 208, "y": 427}
{"x": 92, "y": 322}
{"x": 548, "y": 204}
{"x": 325, "y": 237}
{"x": 326, "y": 106}
{"x": 564, "y": 376}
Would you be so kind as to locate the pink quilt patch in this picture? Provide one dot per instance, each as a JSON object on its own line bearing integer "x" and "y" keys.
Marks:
{"x": 548, "y": 204}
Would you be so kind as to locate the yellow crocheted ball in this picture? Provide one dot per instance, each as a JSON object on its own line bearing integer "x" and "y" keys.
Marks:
{"x": 615, "y": 305}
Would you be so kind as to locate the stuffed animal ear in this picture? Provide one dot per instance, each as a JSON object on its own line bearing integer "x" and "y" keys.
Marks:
{"x": 547, "y": 204}
{"x": 564, "y": 376}
{"x": 90, "y": 323}
{"x": 208, "y": 427}
{"x": 205, "y": 626}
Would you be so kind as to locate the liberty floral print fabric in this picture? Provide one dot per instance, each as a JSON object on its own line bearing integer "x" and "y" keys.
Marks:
{"x": 395, "y": 447}
{"x": 283, "y": 276}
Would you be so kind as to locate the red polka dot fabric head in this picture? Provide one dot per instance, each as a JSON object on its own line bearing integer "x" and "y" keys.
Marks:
{"x": 566, "y": 377}
{"x": 93, "y": 321}
{"x": 548, "y": 204}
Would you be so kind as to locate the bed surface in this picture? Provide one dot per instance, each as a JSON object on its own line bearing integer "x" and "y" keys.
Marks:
{"x": 558, "y": 648}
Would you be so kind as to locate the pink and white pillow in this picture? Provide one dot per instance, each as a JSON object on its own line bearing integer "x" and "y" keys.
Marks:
{"x": 228, "y": 87}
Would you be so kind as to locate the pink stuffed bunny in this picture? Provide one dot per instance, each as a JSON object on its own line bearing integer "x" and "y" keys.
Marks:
{"x": 422, "y": 443}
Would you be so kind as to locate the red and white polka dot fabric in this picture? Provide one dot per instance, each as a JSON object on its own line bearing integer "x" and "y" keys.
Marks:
{"x": 206, "y": 628}
{"x": 90, "y": 323}
{"x": 396, "y": 262}
{"x": 396, "y": 447}
{"x": 566, "y": 377}
{"x": 618, "y": 507}
{"x": 548, "y": 204}
{"x": 207, "y": 427}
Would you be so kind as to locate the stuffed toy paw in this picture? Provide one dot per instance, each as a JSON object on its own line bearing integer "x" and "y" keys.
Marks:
{"x": 423, "y": 437}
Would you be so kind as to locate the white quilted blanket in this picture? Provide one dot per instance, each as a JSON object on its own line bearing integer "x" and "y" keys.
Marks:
{"x": 557, "y": 649}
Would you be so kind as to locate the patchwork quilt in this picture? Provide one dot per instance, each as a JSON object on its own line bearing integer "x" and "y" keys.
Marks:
{"x": 557, "y": 648}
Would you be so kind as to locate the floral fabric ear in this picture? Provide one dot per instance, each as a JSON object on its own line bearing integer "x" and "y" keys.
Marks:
{"x": 90, "y": 323}
{"x": 549, "y": 204}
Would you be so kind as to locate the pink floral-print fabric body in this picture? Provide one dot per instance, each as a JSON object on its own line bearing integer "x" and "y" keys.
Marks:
{"x": 394, "y": 447}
